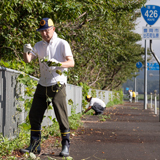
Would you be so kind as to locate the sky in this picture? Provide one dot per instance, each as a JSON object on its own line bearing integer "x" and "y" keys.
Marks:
{"x": 142, "y": 23}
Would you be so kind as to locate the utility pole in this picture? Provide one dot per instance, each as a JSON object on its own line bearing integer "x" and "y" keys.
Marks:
{"x": 159, "y": 72}
{"x": 135, "y": 83}
{"x": 145, "y": 77}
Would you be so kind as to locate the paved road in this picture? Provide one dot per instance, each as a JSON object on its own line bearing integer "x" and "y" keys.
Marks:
{"x": 131, "y": 133}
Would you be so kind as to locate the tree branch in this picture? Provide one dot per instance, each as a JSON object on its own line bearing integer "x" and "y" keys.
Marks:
{"x": 96, "y": 78}
{"x": 82, "y": 15}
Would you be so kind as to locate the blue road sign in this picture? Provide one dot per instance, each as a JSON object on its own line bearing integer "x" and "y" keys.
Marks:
{"x": 152, "y": 66}
{"x": 139, "y": 64}
{"x": 150, "y": 13}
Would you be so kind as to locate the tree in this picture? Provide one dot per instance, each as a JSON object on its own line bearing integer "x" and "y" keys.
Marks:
{"x": 105, "y": 46}
{"x": 100, "y": 33}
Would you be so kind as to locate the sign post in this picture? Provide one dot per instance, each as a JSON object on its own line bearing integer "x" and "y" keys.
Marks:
{"x": 138, "y": 65}
{"x": 151, "y": 14}
{"x": 145, "y": 79}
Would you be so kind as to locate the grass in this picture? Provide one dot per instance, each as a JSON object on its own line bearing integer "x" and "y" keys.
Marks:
{"x": 104, "y": 117}
{"x": 90, "y": 112}
{"x": 75, "y": 119}
{"x": 134, "y": 108}
{"x": 8, "y": 146}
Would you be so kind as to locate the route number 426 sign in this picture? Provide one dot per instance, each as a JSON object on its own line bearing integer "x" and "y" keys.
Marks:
{"x": 150, "y": 13}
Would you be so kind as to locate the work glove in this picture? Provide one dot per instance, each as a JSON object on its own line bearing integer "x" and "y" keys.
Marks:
{"x": 53, "y": 62}
{"x": 27, "y": 48}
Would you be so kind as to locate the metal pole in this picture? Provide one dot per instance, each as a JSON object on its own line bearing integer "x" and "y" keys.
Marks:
{"x": 155, "y": 106}
{"x": 135, "y": 86}
{"x": 159, "y": 72}
{"x": 145, "y": 77}
{"x": 135, "y": 83}
{"x": 159, "y": 93}
{"x": 151, "y": 100}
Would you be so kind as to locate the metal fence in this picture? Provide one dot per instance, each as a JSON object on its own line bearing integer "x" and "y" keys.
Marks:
{"x": 105, "y": 96}
{"x": 11, "y": 90}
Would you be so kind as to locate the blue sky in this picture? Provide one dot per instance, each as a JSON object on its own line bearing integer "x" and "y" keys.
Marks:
{"x": 142, "y": 23}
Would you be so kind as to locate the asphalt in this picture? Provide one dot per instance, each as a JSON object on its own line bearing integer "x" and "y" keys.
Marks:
{"x": 123, "y": 132}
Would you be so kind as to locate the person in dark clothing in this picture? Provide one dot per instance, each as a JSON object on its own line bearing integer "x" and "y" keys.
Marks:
{"x": 51, "y": 84}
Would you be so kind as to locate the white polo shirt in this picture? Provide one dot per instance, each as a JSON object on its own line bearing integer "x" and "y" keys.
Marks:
{"x": 97, "y": 101}
{"x": 58, "y": 49}
{"x": 130, "y": 93}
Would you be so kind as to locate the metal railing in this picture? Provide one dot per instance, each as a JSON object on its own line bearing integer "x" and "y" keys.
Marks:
{"x": 11, "y": 90}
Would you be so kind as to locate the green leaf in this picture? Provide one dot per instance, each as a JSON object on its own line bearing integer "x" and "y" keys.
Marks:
{"x": 50, "y": 117}
{"x": 25, "y": 126}
{"x": 18, "y": 109}
{"x": 49, "y": 99}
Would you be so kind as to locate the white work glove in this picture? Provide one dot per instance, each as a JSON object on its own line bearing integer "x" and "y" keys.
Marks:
{"x": 53, "y": 62}
{"x": 27, "y": 48}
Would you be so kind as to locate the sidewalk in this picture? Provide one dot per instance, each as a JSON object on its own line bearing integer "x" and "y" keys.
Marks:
{"x": 131, "y": 133}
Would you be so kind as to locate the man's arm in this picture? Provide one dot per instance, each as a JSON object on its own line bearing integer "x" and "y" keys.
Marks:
{"x": 88, "y": 109}
{"x": 28, "y": 57}
{"x": 68, "y": 63}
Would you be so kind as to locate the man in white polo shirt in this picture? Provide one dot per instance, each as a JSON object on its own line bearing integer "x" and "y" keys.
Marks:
{"x": 96, "y": 104}
{"x": 55, "y": 56}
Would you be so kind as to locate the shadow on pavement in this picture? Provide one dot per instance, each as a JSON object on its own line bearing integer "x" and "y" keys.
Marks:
{"x": 131, "y": 133}
{"x": 127, "y": 132}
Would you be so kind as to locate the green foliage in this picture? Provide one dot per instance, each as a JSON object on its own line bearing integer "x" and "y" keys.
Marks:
{"x": 90, "y": 112}
{"x": 49, "y": 99}
{"x": 104, "y": 44}
{"x": 7, "y": 146}
{"x": 49, "y": 63}
{"x": 52, "y": 130}
{"x": 17, "y": 65}
{"x": 20, "y": 19}
{"x": 85, "y": 90}
{"x": 110, "y": 104}
{"x": 74, "y": 119}
{"x": 67, "y": 158}
{"x": 134, "y": 108}
{"x": 70, "y": 102}
{"x": 30, "y": 86}
{"x": 93, "y": 93}
{"x": 4, "y": 146}
{"x": 100, "y": 34}
{"x": 118, "y": 97}
{"x": 104, "y": 117}
{"x": 25, "y": 126}
{"x": 59, "y": 72}
{"x": 28, "y": 82}
{"x": 115, "y": 98}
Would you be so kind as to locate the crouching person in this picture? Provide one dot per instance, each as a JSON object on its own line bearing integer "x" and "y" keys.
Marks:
{"x": 96, "y": 104}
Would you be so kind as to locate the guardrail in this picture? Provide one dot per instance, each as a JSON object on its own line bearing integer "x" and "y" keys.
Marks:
{"x": 10, "y": 90}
